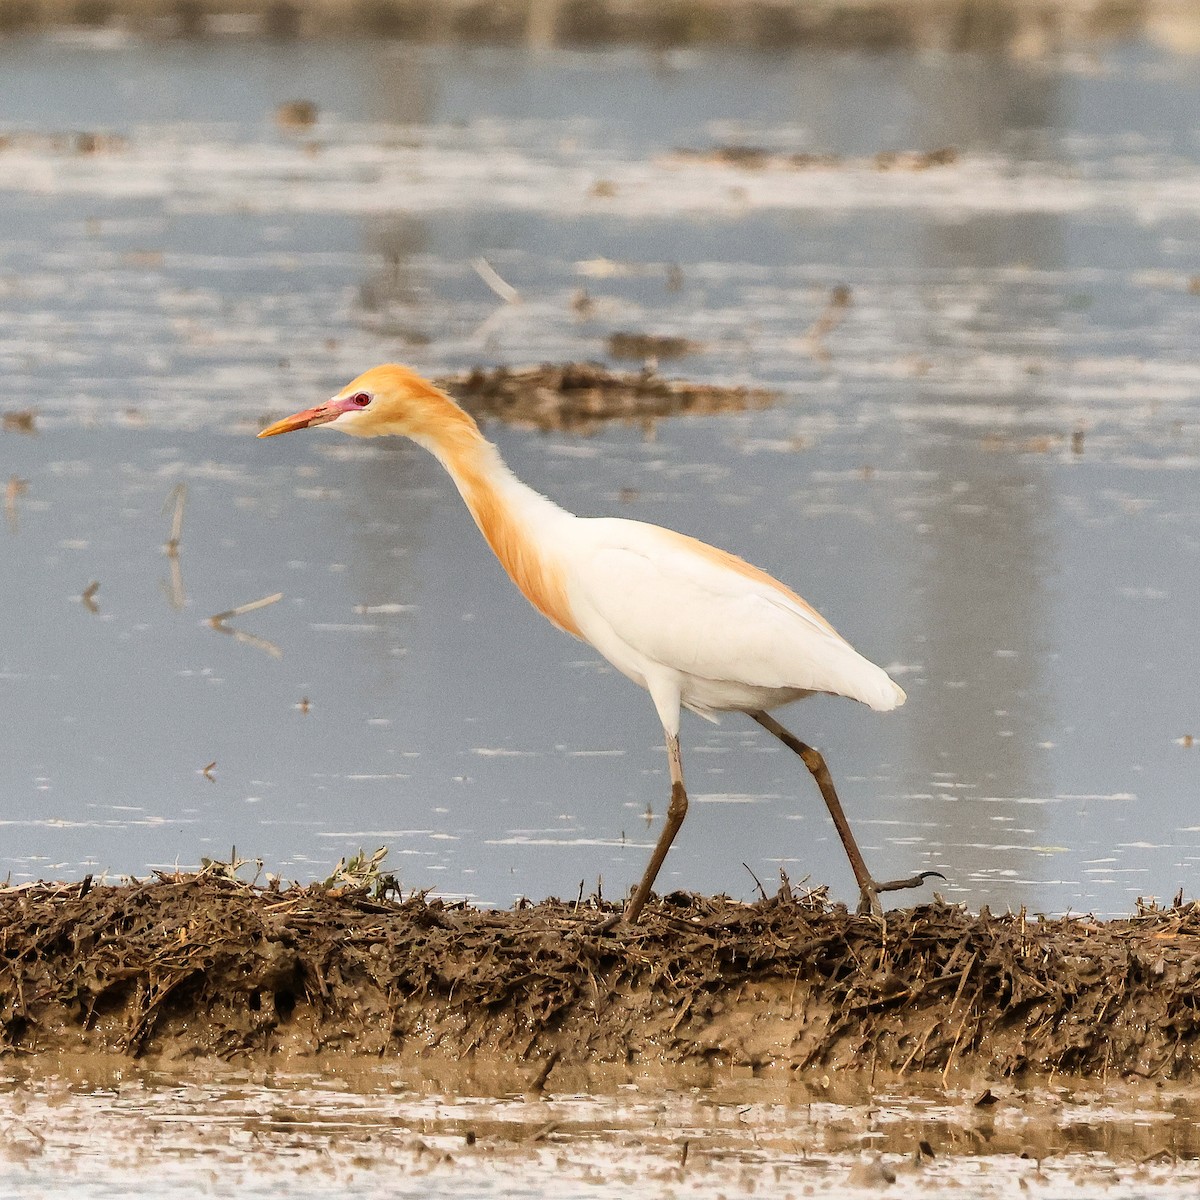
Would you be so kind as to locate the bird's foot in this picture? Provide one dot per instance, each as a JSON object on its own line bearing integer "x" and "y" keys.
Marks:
{"x": 869, "y": 905}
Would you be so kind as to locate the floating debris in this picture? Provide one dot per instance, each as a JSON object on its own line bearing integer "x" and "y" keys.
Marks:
{"x": 173, "y": 587}
{"x": 756, "y": 158}
{"x": 650, "y": 345}
{"x": 831, "y": 317}
{"x": 218, "y": 622}
{"x": 19, "y": 421}
{"x": 221, "y": 617}
{"x": 179, "y": 497}
{"x": 583, "y": 396}
{"x": 14, "y": 490}
{"x": 99, "y": 143}
{"x": 915, "y": 160}
{"x": 492, "y": 278}
{"x": 582, "y": 305}
{"x": 296, "y": 114}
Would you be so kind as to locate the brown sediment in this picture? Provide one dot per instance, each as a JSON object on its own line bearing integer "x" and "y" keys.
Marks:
{"x": 208, "y": 966}
{"x": 582, "y": 396}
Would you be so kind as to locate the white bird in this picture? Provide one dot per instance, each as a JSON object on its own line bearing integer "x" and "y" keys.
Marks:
{"x": 697, "y": 627}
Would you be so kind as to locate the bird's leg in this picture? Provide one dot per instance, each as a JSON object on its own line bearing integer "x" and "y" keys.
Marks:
{"x": 868, "y": 889}
{"x": 676, "y": 811}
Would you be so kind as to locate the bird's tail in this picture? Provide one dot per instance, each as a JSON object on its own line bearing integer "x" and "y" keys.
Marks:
{"x": 870, "y": 685}
{"x": 882, "y": 693}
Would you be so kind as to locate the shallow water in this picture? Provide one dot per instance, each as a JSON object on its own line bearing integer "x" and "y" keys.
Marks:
{"x": 985, "y": 476}
{"x": 93, "y": 1131}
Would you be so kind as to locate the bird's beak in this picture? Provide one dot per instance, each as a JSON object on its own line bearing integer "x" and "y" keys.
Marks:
{"x": 320, "y": 415}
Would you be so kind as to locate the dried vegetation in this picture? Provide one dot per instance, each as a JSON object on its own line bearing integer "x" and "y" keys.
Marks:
{"x": 209, "y": 965}
{"x": 583, "y": 396}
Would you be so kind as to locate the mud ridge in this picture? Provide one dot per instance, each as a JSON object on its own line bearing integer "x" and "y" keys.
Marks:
{"x": 197, "y": 965}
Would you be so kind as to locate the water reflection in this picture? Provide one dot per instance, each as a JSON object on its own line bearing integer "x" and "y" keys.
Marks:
{"x": 363, "y": 1131}
{"x": 987, "y": 541}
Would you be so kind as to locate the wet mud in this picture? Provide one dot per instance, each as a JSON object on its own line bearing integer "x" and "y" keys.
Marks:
{"x": 583, "y": 396}
{"x": 792, "y": 985}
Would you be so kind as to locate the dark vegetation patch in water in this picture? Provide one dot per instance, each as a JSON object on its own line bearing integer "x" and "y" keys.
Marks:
{"x": 582, "y": 396}
{"x": 191, "y": 965}
{"x": 1023, "y": 26}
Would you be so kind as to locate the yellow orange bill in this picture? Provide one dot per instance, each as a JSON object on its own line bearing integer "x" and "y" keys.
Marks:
{"x": 302, "y": 420}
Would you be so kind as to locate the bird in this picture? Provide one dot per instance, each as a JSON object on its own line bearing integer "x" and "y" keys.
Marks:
{"x": 697, "y": 627}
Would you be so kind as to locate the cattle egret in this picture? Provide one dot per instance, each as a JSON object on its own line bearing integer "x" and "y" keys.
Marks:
{"x": 695, "y": 626}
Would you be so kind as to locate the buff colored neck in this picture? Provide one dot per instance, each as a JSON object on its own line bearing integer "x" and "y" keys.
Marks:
{"x": 520, "y": 525}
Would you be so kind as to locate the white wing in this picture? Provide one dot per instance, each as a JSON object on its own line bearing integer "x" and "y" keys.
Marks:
{"x": 667, "y": 600}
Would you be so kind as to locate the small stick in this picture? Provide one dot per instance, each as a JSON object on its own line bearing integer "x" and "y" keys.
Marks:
{"x": 179, "y": 494}
{"x": 16, "y": 487}
{"x": 249, "y": 639}
{"x": 222, "y": 617}
{"x": 173, "y": 588}
{"x": 762, "y": 891}
{"x": 490, "y": 276}
{"x": 831, "y": 317}
{"x": 218, "y": 622}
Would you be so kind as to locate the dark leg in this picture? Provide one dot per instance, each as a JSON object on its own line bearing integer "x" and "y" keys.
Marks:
{"x": 676, "y": 811}
{"x": 868, "y": 889}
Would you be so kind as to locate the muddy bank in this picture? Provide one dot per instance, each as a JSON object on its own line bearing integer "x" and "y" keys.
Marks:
{"x": 582, "y": 396}
{"x": 1023, "y": 27}
{"x": 203, "y": 965}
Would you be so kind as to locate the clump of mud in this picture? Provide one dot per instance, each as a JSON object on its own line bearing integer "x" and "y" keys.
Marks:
{"x": 582, "y": 396}
{"x": 204, "y": 965}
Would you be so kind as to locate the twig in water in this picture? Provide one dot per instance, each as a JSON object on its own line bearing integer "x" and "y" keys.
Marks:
{"x": 222, "y": 617}
{"x": 249, "y": 639}
{"x": 179, "y": 495}
{"x": 491, "y": 277}
{"x": 16, "y": 487}
{"x": 173, "y": 589}
{"x": 831, "y": 317}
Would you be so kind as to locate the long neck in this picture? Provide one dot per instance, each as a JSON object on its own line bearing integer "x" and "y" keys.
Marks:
{"x": 519, "y": 524}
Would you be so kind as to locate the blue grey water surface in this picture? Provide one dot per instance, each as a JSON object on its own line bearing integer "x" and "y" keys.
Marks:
{"x": 985, "y": 475}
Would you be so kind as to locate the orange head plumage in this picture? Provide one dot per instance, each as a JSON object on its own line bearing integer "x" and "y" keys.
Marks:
{"x": 390, "y": 399}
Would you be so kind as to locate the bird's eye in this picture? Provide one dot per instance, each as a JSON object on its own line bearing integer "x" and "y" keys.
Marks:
{"x": 362, "y": 399}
